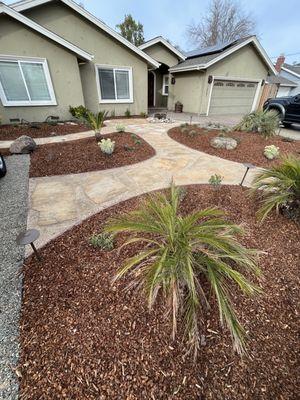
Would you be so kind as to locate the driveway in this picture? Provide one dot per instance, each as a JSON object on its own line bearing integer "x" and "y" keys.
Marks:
{"x": 59, "y": 202}
{"x": 292, "y": 132}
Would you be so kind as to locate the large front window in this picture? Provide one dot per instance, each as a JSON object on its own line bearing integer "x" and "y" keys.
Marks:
{"x": 115, "y": 84}
{"x": 25, "y": 82}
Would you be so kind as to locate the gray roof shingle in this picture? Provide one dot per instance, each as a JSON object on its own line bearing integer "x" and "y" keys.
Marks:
{"x": 281, "y": 80}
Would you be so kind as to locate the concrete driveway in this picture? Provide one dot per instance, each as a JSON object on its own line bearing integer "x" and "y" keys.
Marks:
{"x": 292, "y": 132}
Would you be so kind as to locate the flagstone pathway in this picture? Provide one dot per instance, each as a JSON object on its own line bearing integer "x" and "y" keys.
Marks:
{"x": 59, "y": 202}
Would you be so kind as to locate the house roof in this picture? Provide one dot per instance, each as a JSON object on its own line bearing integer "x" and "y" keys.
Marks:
{"x": 160, "y": 39}
{"x": 277, "y": 79}
{"x": 293, "y": 69}
{"x": 4, "y": 9}
{"x": 204, "y": 58}
{"x": 27, "y": 4}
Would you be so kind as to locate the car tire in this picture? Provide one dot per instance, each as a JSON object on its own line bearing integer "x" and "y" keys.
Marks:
{"x": 286, "y": 124}
{"x": 2, "y": 167}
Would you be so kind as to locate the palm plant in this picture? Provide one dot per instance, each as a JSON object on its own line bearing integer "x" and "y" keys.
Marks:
{"x": 279, "y": 187}
{"x": 264, "y": 122}
{"x": 180, "y": 253}
{"x": 95, "y": 121}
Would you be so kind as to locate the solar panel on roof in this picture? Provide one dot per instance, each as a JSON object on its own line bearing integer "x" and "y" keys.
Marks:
{"x": 209, "y": 49}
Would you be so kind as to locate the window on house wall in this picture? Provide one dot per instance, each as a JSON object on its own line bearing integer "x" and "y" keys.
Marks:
{"x": 115, "y": 84}
{"x": 25, "y": 82}
{"x": 165, "y": 88}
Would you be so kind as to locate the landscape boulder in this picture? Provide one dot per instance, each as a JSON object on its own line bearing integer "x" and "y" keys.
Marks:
{"x": 22, "y": 145}
{"x": 223, "y": 143}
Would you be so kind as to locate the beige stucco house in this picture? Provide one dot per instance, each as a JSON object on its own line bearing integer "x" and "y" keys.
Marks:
{"x": 55, "y": 54}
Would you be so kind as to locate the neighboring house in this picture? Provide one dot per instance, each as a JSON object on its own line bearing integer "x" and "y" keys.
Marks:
{"x": 158, "y": 79}
{"x": 285, "y": 86}
{"x": 222, "y": 79}
{"x": 54, "y": 53}
{"x": 288, "y": 78}
{"x": 84, "y": 62}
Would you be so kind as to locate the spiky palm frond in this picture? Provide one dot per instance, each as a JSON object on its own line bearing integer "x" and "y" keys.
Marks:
{"x": 182, "y": 251}
{"x": 96, "y": 120}
{"x": 278, "y": 185}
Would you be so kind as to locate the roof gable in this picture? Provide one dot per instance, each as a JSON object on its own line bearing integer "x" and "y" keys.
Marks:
{"x": 45, "y": 32}
{"x": 165, "y": 43}
{"x": 27, "y": 4}
{"x": 292, "y": 69}
{"x": 208, "y": 58}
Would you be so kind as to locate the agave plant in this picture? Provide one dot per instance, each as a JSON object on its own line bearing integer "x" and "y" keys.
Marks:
{"x": 279, "y": 187}
{"x": 264, "y": 122}
{"x": 95, "y": 121}
{"x": 182, "y": 252}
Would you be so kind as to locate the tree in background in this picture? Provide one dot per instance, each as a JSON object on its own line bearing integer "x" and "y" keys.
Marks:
{"x": 224, "y": 21}
{"x": 132, "y": 30}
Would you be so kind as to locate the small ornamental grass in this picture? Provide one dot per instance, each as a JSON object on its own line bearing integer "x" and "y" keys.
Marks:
{"x": 179, "y": 253}
{"x": 279, "y": 188}
{"x": 120, "y": 128}
{"x": 264, "y": 122}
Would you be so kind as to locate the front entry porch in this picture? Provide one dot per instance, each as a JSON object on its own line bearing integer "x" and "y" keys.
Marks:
{"x": 158, "y": 87}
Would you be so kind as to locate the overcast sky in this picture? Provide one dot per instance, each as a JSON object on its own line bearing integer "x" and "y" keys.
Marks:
{"x": 278, "y": 21}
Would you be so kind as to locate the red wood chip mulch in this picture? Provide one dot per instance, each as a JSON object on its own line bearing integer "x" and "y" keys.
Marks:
{"x": 84, "y": 155}
{"x": 250, "y": 146}
{"x": 82, "y": 338}
{"x": 12, "y": 132}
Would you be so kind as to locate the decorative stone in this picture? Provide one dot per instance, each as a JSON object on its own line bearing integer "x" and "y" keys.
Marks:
{"x": 160, "y": 115}
{"x": 223, "y": 143}
{"x": 22, "y": 145}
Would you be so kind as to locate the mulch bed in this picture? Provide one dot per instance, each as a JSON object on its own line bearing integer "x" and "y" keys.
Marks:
{"x": 12, "y": 132}
{"x": 249, "y": 149}
{"x": 82, "y": 338}
{"x": 84, "y": 155}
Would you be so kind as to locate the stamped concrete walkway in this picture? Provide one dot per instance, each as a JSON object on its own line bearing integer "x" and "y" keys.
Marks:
{"x": 59, "y": 202}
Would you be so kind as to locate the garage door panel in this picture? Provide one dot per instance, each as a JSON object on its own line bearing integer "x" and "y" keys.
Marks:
{"x": 232, "y": 97}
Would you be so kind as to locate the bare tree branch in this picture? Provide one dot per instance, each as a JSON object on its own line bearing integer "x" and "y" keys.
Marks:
{"x": 225, "y": 21}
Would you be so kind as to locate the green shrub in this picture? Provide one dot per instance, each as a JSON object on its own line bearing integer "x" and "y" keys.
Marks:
{"x": 143, "y": 115}
{"x": 127, "y": 113}
{"x": 184, "y": 130}
{"x": 104, "y": 241}
{"x": 180, "y": 253}
{"x": 79, "y": 112}
{"x": 279, "y": 187}
{"x": 184, "y": 125}
{"x": 107, "y": 146}
{"x": 271, "y": 152}
{"x": 264, "y": 122}
{"x": 215, "y": 180}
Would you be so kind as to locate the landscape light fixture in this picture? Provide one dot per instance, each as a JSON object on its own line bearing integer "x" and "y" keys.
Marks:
{"x": 29, "y": 237}
{"x": 248, "y": 166}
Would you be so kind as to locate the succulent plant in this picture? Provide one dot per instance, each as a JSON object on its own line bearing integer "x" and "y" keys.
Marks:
{"x": 215, "y": 180}
{"x": 120, "y": 128}
{"x": 271, "y": 152}
{"x": 107, "y": 146}
{"x": 104, "y": 241}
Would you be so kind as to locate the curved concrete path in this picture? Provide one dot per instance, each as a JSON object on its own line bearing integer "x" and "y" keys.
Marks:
{"x": 59, "y": 202}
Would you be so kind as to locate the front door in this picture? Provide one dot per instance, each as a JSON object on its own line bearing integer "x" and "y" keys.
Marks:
{"x": 151, "y": 89}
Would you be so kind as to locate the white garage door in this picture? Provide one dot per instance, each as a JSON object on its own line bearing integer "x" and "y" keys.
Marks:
{"x": 232, "y": 97}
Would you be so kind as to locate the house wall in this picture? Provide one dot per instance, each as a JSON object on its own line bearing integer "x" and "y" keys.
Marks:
{"x": 18, "y": 40}
{"x": 161, "y": 54}
{"x": 187, "y": 89}
{"x": 78, "y": 30}
{"x": 193, "y": 90}
{"x": 292, "y": 78}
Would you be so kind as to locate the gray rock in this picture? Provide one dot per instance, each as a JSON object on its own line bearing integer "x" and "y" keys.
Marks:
{"x": 22, "y": 145}
{"x": 223, "y": 143}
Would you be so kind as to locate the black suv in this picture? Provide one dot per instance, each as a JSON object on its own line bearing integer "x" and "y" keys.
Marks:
{"x": 287, "y": 107}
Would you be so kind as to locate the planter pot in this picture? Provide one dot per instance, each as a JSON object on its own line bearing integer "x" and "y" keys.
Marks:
{"x": 178, "y": 107}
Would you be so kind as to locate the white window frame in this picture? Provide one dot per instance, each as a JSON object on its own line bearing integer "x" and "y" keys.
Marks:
{"x": 21, "y": 103}
{"x": 165, "y": 85}
{"x": 114, "y": 68}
